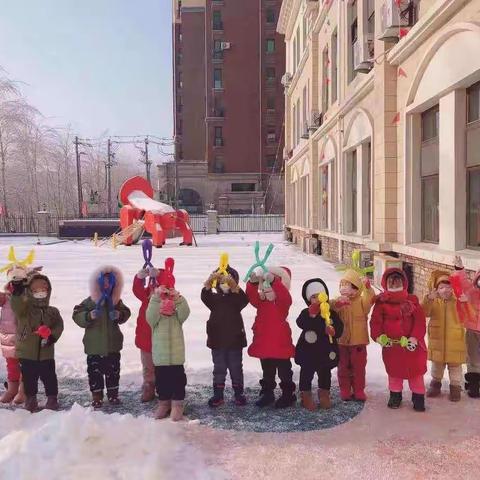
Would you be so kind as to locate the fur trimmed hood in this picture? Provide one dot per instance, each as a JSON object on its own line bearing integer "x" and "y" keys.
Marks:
{"x": 95, "y": 292}
{"x": 283, "y": 273}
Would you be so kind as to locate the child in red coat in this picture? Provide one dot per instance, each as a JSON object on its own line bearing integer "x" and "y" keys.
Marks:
{"x": 272, "y": 336}
{"x": 143, "y": 290}
{"x": 398, "y": 324}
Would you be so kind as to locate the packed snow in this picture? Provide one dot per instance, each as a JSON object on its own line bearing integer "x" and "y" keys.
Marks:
{"x": 378, "y": 443}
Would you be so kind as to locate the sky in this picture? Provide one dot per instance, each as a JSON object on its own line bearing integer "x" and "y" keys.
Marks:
{"x": 98, "y": 65}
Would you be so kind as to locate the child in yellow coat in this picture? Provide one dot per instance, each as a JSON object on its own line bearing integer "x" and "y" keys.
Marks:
{"x": 353, "y": 306}
{"x": 446, "y": 335}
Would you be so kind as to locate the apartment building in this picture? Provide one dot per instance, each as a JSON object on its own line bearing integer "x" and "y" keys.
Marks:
{"x": 228, "y": 105}
{"x": 382, "y": 130}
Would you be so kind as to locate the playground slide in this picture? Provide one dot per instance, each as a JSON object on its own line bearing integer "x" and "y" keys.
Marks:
{"x": 140, "y": 200}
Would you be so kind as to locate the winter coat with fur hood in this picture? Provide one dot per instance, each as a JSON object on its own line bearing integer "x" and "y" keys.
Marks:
{"x": 8, "y": 327}
{"x": 31, "y": 313}
{"x": 399, "y": 314}
{"x": 102, "y": 335}
{"x": 354, "y": 316}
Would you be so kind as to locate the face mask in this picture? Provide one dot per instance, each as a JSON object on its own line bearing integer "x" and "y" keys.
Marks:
{"x": 224, "y": 288}
{"x": 444, "y": 291}
{"x": 346, "y": 291}
{"x": 395, "y": 289}
{"x": 40, "y": 295}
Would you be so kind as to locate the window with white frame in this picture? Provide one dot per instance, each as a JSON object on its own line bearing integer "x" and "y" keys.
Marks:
{"x": 298, "y": 46}
{"x": 429, "y": 168}
{"x": 294, "y": 126}
{"x": 325, "y": 80}
{"x": 352, "y": 37}
{"x": 304, "y": 112}
{"x": 334, "y": 66}
{"x": 473, "y": 166}
{"x": 367, "y": 221}
{"x": 351, "y": 192}
{"x": 298, "y": 123}
{"x": 326, "y": 195}
{"x": 304, "y": 32}
{"x": 304, "y": 203}
{"x": 294, "y": 55}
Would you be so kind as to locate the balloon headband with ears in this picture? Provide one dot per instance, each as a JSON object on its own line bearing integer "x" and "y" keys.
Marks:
{"x": 222, "y": 267}
{"x": 260, "y": 262}
{"x": 355, "y": 265}
{"x": 14, "y": 262}
{"x": 167, "y": 278}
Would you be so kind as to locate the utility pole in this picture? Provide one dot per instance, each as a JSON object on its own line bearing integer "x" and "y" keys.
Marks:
{"x": 79, "y": 178}
{"x": 148, "y": 163}
{"x": 109, "y": 176}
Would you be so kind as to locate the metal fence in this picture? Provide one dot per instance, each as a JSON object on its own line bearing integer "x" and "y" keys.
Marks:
{"x": 27, "y": 224}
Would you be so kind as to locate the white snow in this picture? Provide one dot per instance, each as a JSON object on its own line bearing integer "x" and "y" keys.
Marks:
{"x": 377, "y": 444}
{"x": 142, "y": 201}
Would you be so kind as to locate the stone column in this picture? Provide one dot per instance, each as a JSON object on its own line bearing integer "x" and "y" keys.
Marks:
{"x": 43, "y": 223}
{"x": 212, "y": 219}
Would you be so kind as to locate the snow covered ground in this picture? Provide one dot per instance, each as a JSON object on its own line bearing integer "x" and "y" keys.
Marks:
{"x": 378, "y": 443}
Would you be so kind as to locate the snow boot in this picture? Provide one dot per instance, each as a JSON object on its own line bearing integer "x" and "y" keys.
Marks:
{"x": 217, "y": 398}
{"x": 472, "y": 384}
{"x": 435, "y": 389}
{"x": 52, "y": 403}
{"x": 31, "y": 403}
{"x": 10, "y": 393}
{"x": 395, "y": 400}
{"x": 266, "y": 398}
{"x": 288, "y": 397}
{"x": 240, "y": 399}
{"x": 97, "y": 400}
{"x": 307, "y": 401}
{"x": 455, "y": 393}
{"x": 360, "y": 395}
{"x": 418, "y": 402}
{"x": 324, "y": 399}
{"x": 20, "y": 396}
{"x": 177, "y": 410}
{"x": 148, "y": 392}
{"x": 112, "y": 396}
{"x": 163, "y": 409}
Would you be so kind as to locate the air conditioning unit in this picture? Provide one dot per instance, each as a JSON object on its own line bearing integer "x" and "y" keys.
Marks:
{"x": 312, "y": 245}
{"x": 363, "y": 53}
{"x": 225, "y": 46}
{"x": 286, "y": 80}
{"x": 316, "y": 120}
{"x": 383, "y": 262}
{"x": 393, "y": 17}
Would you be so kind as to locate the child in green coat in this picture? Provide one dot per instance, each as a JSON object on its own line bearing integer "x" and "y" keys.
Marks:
{"x": 39, "y": 326}
{"x": 166, "y": 313}
{"x": 100, "y": 315}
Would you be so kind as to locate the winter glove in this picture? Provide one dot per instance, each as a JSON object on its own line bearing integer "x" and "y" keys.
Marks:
{"x": 93, "y": 315}
{"x": 366, "y": 283}
{"x": 458, "y": 263}
{"x": 269, "y": 278}
{"x": 412, "y": 343}
{"x": 330, "y": 331}
{"x": 232, "y": 284}
{"x": 314, "y": 309}
{"x": 114, "y": 315}
{"x": 384, "y": 341}
{"x": 432, "y": 295}
{"x": 17, "y": 288}
{"x": 463, "y": 298}
{"x": 167, "y": 307}
{"x": 341, "y": 302}
{"x": 142, "y": 274}
{"x": 153, "y": 272}
{"x": 46, "y": 342}
{"x": 254, "y": 278}
{"x": 208, "y": 283}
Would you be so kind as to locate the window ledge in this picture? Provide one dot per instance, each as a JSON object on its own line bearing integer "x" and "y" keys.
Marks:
{"x": 299, "y": 70}
{"x": 432, "y": 252}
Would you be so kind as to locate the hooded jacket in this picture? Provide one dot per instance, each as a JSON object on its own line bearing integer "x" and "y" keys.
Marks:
{"x": 399, "y": 314}
{"x": 8, "y": 327}
{"x": 272, "y": 336}
{"x": 314, "y": 349}
{"x": 355, "y": 315}
{"x": 102, "y": 335}
{"x": 31, "y": 313}
{"x": 446, "y": 335}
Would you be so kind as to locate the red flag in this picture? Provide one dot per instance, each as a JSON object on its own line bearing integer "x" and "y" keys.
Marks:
{"x": 398, "y": 3}
{"x": 401, "y": 72}
{"x": 396, "y": 118}
{"x": 2, "y": 211}
{"x": 403, "y": 32}
{"x": 84, "y": 209}
{"x": 327, "y": 80}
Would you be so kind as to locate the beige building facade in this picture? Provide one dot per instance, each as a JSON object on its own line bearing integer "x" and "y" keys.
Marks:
{"x": 383, "y": 130}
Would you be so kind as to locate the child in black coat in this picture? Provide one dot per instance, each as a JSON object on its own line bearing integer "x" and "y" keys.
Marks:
{"x": 225, "y": 333}
{"x": 317, "y": 349}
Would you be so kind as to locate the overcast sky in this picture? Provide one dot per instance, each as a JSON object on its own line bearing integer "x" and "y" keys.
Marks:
{"x": 95, "y": 64}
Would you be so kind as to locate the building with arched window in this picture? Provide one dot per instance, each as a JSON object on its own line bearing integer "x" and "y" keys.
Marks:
{"x": 383, "y": 103}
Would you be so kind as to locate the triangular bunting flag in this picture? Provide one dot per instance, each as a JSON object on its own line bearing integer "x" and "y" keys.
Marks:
{"x": 401, "y": 72}
{"x": 396, "y": 118}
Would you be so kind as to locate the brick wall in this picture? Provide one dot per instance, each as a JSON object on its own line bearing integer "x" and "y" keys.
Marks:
{"x": 329, "y": 248}
{"x": 347, "y": 250}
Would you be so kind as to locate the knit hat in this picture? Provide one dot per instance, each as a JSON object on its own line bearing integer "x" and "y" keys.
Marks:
{"x": 437, "y": 277}
{"x": 167, "y": 279}
{"x": 313, "y": 287}
{"x": 283, "y": 273}
{"x": 354, "y": 278}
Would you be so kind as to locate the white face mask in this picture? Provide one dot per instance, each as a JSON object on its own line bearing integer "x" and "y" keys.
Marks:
{"x": 395, "y": 289}
{"x": 224, "y": 288}
{"x": 40, "y": 295}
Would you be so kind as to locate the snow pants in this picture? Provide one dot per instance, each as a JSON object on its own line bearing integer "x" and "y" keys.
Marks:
{"x": 103, "y": 371}
{"x": 33, "y": 370}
